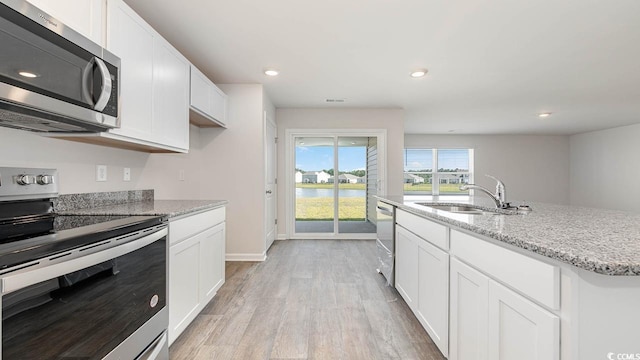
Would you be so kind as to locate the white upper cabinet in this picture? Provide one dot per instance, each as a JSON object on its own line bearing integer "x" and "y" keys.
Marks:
{"x": 170, "y": 95}
{"x": 131, "y": 38}
{"x": 208, "y": 104}
{"x": 154, "y": 85}
{"x": 83, "y": 16}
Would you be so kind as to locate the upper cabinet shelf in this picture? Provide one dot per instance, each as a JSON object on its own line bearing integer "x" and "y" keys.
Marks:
{"x": 208, "y": 104}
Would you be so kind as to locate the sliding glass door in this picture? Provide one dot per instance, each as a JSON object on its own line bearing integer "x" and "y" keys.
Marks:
{"x": 314, "y": 191}
{"x": 336, "y": 178}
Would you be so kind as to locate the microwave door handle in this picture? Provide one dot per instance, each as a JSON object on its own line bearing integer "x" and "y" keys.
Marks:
{"x": 86, "y": 82}
{"x": 105, "y": 91}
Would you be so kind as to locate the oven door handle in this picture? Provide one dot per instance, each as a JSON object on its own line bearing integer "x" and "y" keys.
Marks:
{"x": 28, "y": 277}
{"x": 154, "y": 350}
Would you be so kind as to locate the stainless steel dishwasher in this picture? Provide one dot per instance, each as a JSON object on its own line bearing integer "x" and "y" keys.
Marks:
{"x": 386, "y": 247}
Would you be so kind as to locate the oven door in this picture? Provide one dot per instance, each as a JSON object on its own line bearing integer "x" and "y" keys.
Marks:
{"x": 106, "y": 300}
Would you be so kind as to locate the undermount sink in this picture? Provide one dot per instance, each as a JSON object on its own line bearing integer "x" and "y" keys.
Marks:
{"x": 461, "y": 209}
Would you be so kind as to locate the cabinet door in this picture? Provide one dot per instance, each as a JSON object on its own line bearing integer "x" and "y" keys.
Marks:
{"x": 184, "y": 285}
{"x": 219, "y": 105}
{"x": 469, "y": 315}
{"x": 433, "y": 294}
{"x": 201, "y": 96}
{"x": 520, "y": 329}
{"x": 212, "y": 258}
{"x": 131, "y": 38}
{"x": 170, "y": 95}
{"x": 407, "y": 266}
{"x": 83, "y": 16}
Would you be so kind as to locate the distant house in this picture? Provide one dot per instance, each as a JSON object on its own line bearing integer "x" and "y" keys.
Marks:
{"x": 315, "y": 177}
{"x": 361, "y": 180}
{"x": 346, "y": 179}
{"x": 298, "y": 177}
{"x": 413, "y": 179}
{"x": 450, "y": 178}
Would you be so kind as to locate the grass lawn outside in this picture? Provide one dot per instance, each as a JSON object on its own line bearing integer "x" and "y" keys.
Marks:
{"x": 427, "y": 188}
{"x": 351, "y": 208}
{"x": 321, "y": 209}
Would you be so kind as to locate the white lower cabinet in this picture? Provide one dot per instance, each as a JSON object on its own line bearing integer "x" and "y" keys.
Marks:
{"x": 520, "y": 329}
{"x": 407, "y": 266}
{"x": 469, "y": 313}
{"x": 490, "y": 321}
{"x": 433, "y": 294}
{"x": 422, "y": 279}
{"x": 184, "y": 285}
{"x": 196, "y": 266}
{"x": 212, "y": 256}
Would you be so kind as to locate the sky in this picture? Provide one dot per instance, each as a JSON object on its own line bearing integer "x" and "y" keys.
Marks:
{"x": 422, "y": 159}
{"x": 310, "y": 158}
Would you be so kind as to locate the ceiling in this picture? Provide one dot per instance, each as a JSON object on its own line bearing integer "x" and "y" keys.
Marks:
{"x": 493, "y": 65}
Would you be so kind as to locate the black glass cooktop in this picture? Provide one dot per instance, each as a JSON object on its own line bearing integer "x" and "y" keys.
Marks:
{"x": 45, "y": 235}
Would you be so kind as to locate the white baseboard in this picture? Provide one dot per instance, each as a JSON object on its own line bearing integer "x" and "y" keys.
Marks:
{"x": 282, "y": 237}
{"x": 245, "y": 257}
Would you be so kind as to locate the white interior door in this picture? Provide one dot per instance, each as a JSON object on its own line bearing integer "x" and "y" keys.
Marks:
{"x": 270, "y": 181}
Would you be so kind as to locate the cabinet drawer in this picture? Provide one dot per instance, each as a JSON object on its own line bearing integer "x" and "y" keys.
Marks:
{"x": 183, "y": 228}
{"x": 426, "y": 229}
{"x": 538, "y": 280}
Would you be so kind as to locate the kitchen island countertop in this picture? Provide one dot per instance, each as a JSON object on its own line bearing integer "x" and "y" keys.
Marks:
{"x": 598, "y": 240}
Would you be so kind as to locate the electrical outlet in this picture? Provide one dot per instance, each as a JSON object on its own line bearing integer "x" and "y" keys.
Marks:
{"x": 126, "y": 174}
{"x": 181, "y": 175}
{"x": 101, "y": 172}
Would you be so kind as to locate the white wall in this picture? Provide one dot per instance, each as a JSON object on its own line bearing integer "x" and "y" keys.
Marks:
{"x": 605, "y": 168}
{"x": 76, "y": 162}
{"x": 224, "y": 164}
{"x": 533, "y": 167}
{"x": 390, "y": 119}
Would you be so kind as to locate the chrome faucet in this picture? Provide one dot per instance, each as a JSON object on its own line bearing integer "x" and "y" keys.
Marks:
{"x": 500, "y": 197}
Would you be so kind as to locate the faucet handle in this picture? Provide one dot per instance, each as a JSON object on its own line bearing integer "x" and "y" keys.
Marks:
{"x": 494, "y": 178}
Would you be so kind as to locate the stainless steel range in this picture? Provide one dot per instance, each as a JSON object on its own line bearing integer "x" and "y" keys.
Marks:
{"x": 78, "y": 287}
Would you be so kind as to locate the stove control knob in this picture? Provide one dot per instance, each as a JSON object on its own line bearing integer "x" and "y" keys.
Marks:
{"x": 25, "y": 179}
{"x": 44, "y": 179}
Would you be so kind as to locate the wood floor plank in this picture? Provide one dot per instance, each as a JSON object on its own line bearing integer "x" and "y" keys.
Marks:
{"x": 194, "y": 337}
{"x": 311, "y": 299}
{"x": 292, "y": 339}
{"x": 260, "y": 334}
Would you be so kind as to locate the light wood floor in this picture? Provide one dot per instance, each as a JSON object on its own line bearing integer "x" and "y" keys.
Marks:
{"x": 311, "y": 299}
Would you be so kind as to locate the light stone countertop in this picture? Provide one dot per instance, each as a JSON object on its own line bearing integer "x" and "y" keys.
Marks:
{"x": 170, "y": 208}
{"x": 603, "y": 241}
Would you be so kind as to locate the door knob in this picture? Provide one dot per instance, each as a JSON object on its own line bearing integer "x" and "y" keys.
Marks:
{"x": 268, "y": 191}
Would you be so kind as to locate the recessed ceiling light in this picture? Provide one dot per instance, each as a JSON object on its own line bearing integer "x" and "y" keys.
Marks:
{"x": 353, "y": 143}
{"x": 419, "y": 73}
{"x": 271, "y": 72}
{"x": 544, "y": 115}
{"x": 27, "y": 74}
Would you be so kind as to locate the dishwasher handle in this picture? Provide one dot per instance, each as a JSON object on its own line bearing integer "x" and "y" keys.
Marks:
{"x": 385, "y": 211}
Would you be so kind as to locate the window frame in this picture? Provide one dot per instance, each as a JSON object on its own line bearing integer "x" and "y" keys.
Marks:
{"x": 436, "y": 174}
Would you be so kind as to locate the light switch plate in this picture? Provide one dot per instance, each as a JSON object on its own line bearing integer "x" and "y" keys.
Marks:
{"x": 126, "y": 174}
{"x": 101, "y": 172}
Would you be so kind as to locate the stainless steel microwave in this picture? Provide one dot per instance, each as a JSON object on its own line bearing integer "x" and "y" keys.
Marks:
{"x": 53, "y": 79}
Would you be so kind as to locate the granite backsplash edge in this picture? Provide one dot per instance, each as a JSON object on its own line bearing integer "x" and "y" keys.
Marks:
{"x": 66, "y": 202}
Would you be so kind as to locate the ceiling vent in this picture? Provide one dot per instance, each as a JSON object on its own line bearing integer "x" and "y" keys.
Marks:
{"x": 334, "y": 101}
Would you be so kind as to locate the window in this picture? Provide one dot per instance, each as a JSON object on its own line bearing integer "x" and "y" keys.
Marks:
{"x": 437, "y": 171}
